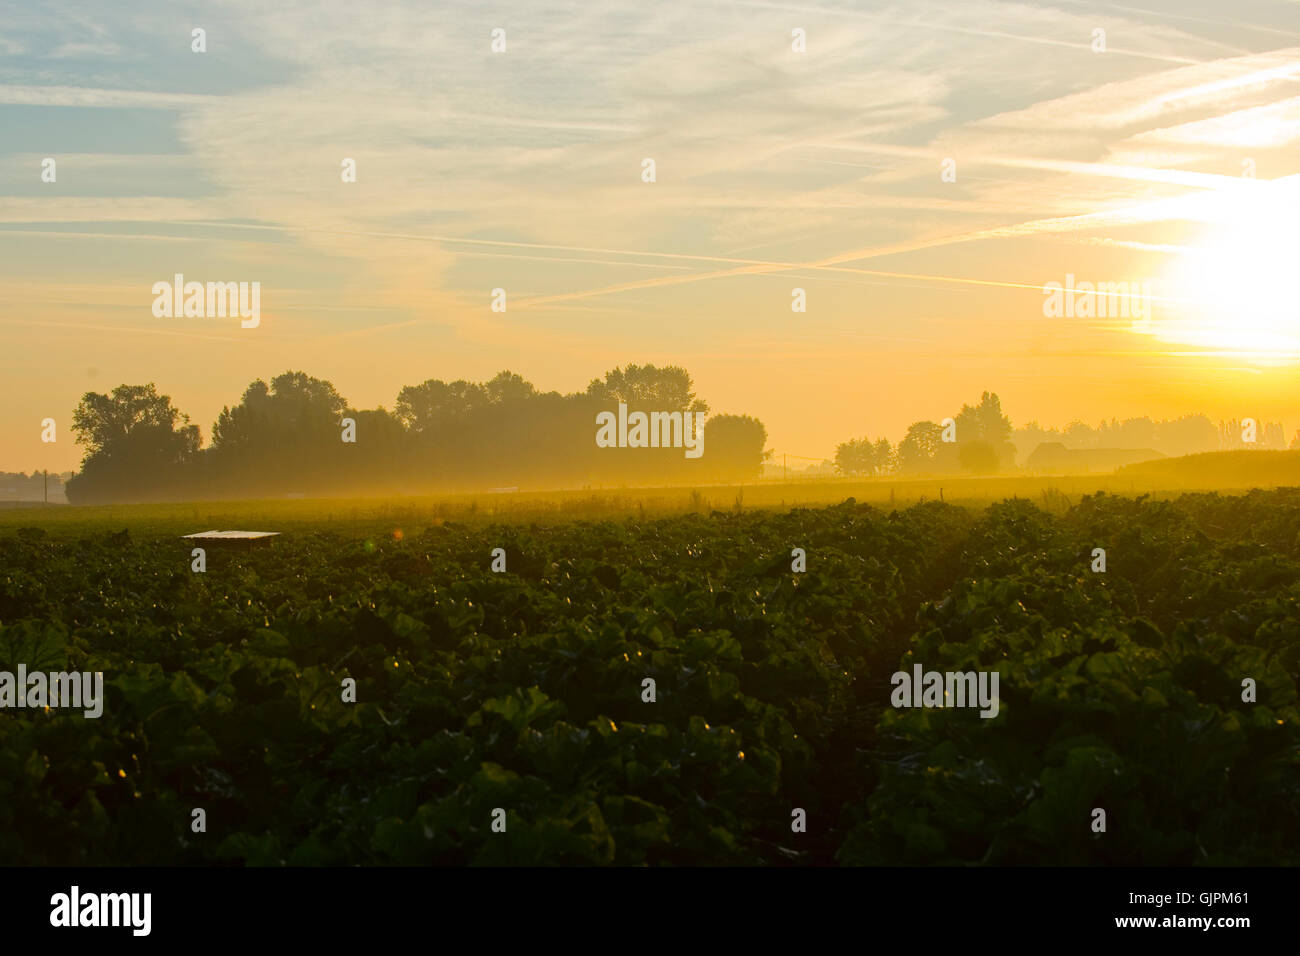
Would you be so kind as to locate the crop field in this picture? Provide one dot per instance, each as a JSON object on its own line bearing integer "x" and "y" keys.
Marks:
{"x": 669, "y": 684}
{"x": 378, "y": 515}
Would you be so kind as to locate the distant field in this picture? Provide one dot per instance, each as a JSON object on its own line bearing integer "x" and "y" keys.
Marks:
{"x": 1225, "y": 471}
{"x": 1220, "y": 469}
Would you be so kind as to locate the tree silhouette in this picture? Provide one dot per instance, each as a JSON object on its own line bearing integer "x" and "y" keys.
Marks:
{"x": 137, "y": 445}
{"x": 648, "y": 388}
{"x": 733, "y": 447}
{"x": 919, "y": 447}
{"x": 978, "y": 456}
{"x": 431, "y": 405}
{"x": 288, "y": 436}
{"x": 283, "y": 438}
{"x": 856, "y": 458}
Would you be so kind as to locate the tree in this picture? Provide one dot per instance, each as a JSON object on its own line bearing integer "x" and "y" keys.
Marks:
{"x": 1130, "y": 433}
{"x": 733, "y": 447}
{"x": 102, "y": 422}
{"x": 648, "y": 388}
{"x": 138, "y": 446}
{"x": 1079, "y": 435}
{"x": 1187, "y": 435}
{"x": 508, "y": 387}
{"x": 978, "y": 456}
{"x": 986, "y": 423}
{"x": 856, "y": 457}
{"x": 295, "y": 405}
{"x": 885, "y": 456}
{"x": 377, "y": 460}
{"x": 917, "y": 450}
{"x": 285, "y": 437}
{"x": 433, "y": 404}
{"x": 1028, "y": 437}
{"x": 862, "y": 456}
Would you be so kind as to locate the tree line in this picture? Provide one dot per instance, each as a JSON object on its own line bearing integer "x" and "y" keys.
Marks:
{"x": 984, "y": 441}
{"x": 298, "y": 435}
{"x": 981, "y": 443}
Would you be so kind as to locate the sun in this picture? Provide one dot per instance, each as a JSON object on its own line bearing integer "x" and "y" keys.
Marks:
{"x": 1235, "y": 292}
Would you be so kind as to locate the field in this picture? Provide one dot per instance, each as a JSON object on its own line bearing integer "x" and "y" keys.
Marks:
{"x": 523, "y": 689}
{"x": 1216, "y": 471}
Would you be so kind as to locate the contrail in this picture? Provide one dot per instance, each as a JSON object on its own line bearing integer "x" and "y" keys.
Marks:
{"x": 115, "y": 329}
{"x": 1171, "y": 177}
{"x": 1164, "y": 15}
{"x": 744, "y": 266}
{"x": 971, "y": 31}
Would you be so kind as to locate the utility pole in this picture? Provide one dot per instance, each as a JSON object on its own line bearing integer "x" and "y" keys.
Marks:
{"x": 47, "y": 486}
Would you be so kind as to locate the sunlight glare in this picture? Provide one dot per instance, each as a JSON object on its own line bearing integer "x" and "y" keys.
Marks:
{"x": 1234, "y": 288}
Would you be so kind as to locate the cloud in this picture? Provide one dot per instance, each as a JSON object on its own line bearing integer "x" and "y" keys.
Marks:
{"x": 823, "y": 164}
{"x": 20, "y": 95}
{"x": 153, "y": 209}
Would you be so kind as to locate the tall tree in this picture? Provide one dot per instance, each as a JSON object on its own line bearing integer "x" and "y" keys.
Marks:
{"x": 434, "y": 404}
{"x": 984, "y": 421}
{"x": 138, "y": 446}
{"x": 920, "y": 446}
{"x": 733, "y": 447}
{"x": 508, "y": 388}
{"x": 285, "y": 437}
{"x": 886, "y": 457}
{"x": 294, "y": 404}
{"x": 104, "y": 422}
{"x": 856, "y": 458}
{"x": 646, "y": 387}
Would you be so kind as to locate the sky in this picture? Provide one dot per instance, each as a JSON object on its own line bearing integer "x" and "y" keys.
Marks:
{"x": 922, "y": 170}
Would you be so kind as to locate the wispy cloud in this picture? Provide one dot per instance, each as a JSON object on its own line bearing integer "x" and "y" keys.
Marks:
{"x": 523, "y": 169}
